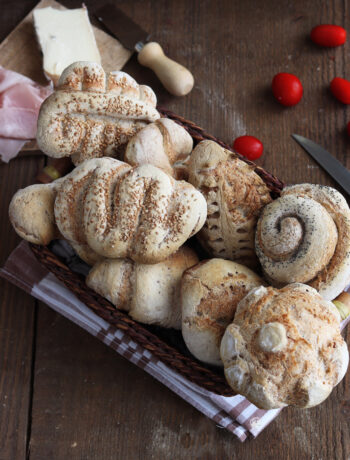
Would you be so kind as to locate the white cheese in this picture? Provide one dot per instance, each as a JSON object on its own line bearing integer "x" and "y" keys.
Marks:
{"x": 65, "y": 36}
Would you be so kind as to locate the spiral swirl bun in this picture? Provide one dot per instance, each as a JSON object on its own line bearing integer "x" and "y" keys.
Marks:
{"x": 304, "y": 236}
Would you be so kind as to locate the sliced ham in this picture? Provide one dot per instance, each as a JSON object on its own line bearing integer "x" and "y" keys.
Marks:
{"x": 9, "y": 78}
{"x": 18, "y": 123}
{"x": 22, "y": 95}
{"x": 20, "y": 101}
{"x": 9, "y": 148}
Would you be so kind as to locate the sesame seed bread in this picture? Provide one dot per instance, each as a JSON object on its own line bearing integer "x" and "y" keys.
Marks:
{"x": 91, "y": 113}
{"x": 284, "y": 347}
{"x": 149, "y": 293}
{"x": 161, "y": 144}
{"x": 106, "y": 207}
{"x": 235, "y": 195}
{"x": 210, "y": 292}
{"x": 304, "y": 236}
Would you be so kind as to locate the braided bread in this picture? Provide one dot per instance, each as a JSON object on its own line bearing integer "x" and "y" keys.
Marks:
{"x": 149, "y": 293}
{"x": 161, "y": 144}
{"x": 104, "y": 207}
{"x": 235, "y": 195}
{"x": 304, "y": 236}
{"x": 91, "y": 114}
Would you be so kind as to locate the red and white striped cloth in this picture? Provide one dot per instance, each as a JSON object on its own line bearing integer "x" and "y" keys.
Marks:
{"x": 235, "y": 413}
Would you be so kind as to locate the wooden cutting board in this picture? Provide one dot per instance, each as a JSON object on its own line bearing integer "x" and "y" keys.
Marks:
{"x": 20, "y": 50}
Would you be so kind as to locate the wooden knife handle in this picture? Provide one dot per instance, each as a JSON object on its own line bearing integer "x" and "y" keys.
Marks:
{"x": 175, "y": 78}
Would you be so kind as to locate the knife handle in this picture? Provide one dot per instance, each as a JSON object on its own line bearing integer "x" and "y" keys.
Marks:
{"x": 175, "y": 78}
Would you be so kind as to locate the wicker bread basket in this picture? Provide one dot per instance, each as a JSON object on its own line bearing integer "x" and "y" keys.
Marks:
{"x": 166, "y": 345}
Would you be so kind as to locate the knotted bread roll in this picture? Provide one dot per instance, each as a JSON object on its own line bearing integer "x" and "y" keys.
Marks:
{"x": 284, "y": 347}
{"x": 91, "y": 113}
{"x": 149, "y": 293}
{"x": 107, "y": 208}
{"x": 235, "y": 196}
{"x": 164, "y": 144}
{"x": 210, "y": 293}
{"x": 304, "y": 236}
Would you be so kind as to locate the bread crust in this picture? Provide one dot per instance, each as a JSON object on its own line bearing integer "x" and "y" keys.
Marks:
{"x": 304, "y": 236}
{"x": 91, "y": 113}
{"x": 149, "y": 293}
{"x": 210, "y": 293}
{"x": 235, "y": 196}
{"x": 284, "y": 347}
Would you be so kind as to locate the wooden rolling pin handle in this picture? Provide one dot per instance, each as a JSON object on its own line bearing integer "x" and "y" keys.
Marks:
{"x": 175, "y": 78}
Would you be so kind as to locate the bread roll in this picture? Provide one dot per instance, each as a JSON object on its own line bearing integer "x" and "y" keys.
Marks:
{"x": 284, "y": 347}
{"x": 210, "y": 293}
{"x": 91, "y": 114}
{"x": 304, "y": 236}
{"x": 164, "y": 144}
{"x": 107, "y": 208}
{"x": 149, "y": 293}
{"x": 235, "y": 196}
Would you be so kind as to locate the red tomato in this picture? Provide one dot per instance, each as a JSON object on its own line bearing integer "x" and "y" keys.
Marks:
{"x": 341, "y": 89}
{"x": 328, "y": 35}
{"x": 248, "y": 146}
{"x": 287, "y": 88}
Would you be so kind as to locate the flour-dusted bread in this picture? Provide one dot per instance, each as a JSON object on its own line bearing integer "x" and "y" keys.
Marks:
{"x": 210, "y": 293}
{"x": 105, "y": 207}
{"x": 91, "y": 113}
{"x": 235, "y": 195}
{"x": 304, "y": 236}
{"x": 149, "y": 293}
{"x": 284, "y": 347}
{"x": 164, "y": 144}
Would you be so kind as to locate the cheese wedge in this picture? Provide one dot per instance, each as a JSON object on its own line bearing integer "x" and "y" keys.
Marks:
{"x": 65, "y": 36}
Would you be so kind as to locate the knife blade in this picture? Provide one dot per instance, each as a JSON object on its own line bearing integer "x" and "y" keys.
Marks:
{"x": 175, "y": 78}
{"x": 330, "y": 164}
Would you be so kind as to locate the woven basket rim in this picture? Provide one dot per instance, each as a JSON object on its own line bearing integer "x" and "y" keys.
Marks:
{"x": 189, "y": 367}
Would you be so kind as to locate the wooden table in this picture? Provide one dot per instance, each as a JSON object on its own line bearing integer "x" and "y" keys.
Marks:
{"x": 63, "y": 394}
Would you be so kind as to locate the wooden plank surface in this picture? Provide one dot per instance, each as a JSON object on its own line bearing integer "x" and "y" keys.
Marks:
{"x": 85, "y": 402}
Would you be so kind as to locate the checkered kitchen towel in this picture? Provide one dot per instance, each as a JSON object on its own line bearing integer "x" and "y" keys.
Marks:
{"x": 235, "y": 413}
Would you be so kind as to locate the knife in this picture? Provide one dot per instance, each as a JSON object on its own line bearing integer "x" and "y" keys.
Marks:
{"x": 175, "y": 78}
{"x": 334, "y": 168}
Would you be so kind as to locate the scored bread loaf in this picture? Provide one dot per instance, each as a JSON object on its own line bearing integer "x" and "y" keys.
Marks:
{"x": 105, "y": 207}
{"x": 91, "y": 113}
{"x": 149, "y": 293}
{"x": 284, "y": 347}
{"x": 210, "y": 293}
{"x": 235, "y": 196}
{"x": 164, "y": 144}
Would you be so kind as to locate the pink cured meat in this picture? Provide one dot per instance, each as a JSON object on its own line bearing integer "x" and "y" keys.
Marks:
{"x": 9, "y": 78}
{"x": 9, "y": 148}
{"x": 24, "y": 96}
{"x": 18, "y": 123}
{"x": 20, "y": 101}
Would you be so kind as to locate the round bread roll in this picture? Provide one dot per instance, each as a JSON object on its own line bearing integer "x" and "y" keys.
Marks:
{"x": 210, "y": 292}
{"x": 304, "y": 237}
{"x": 284, "y": 347}
{"x": 149, "y": 293}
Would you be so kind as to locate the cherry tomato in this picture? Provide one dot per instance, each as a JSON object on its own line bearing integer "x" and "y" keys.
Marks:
{"x": 341, "y": 89}
{"x": 248, "y": 146}
{"x": 328, "y": 35}
{"x": 287, "y": 88}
